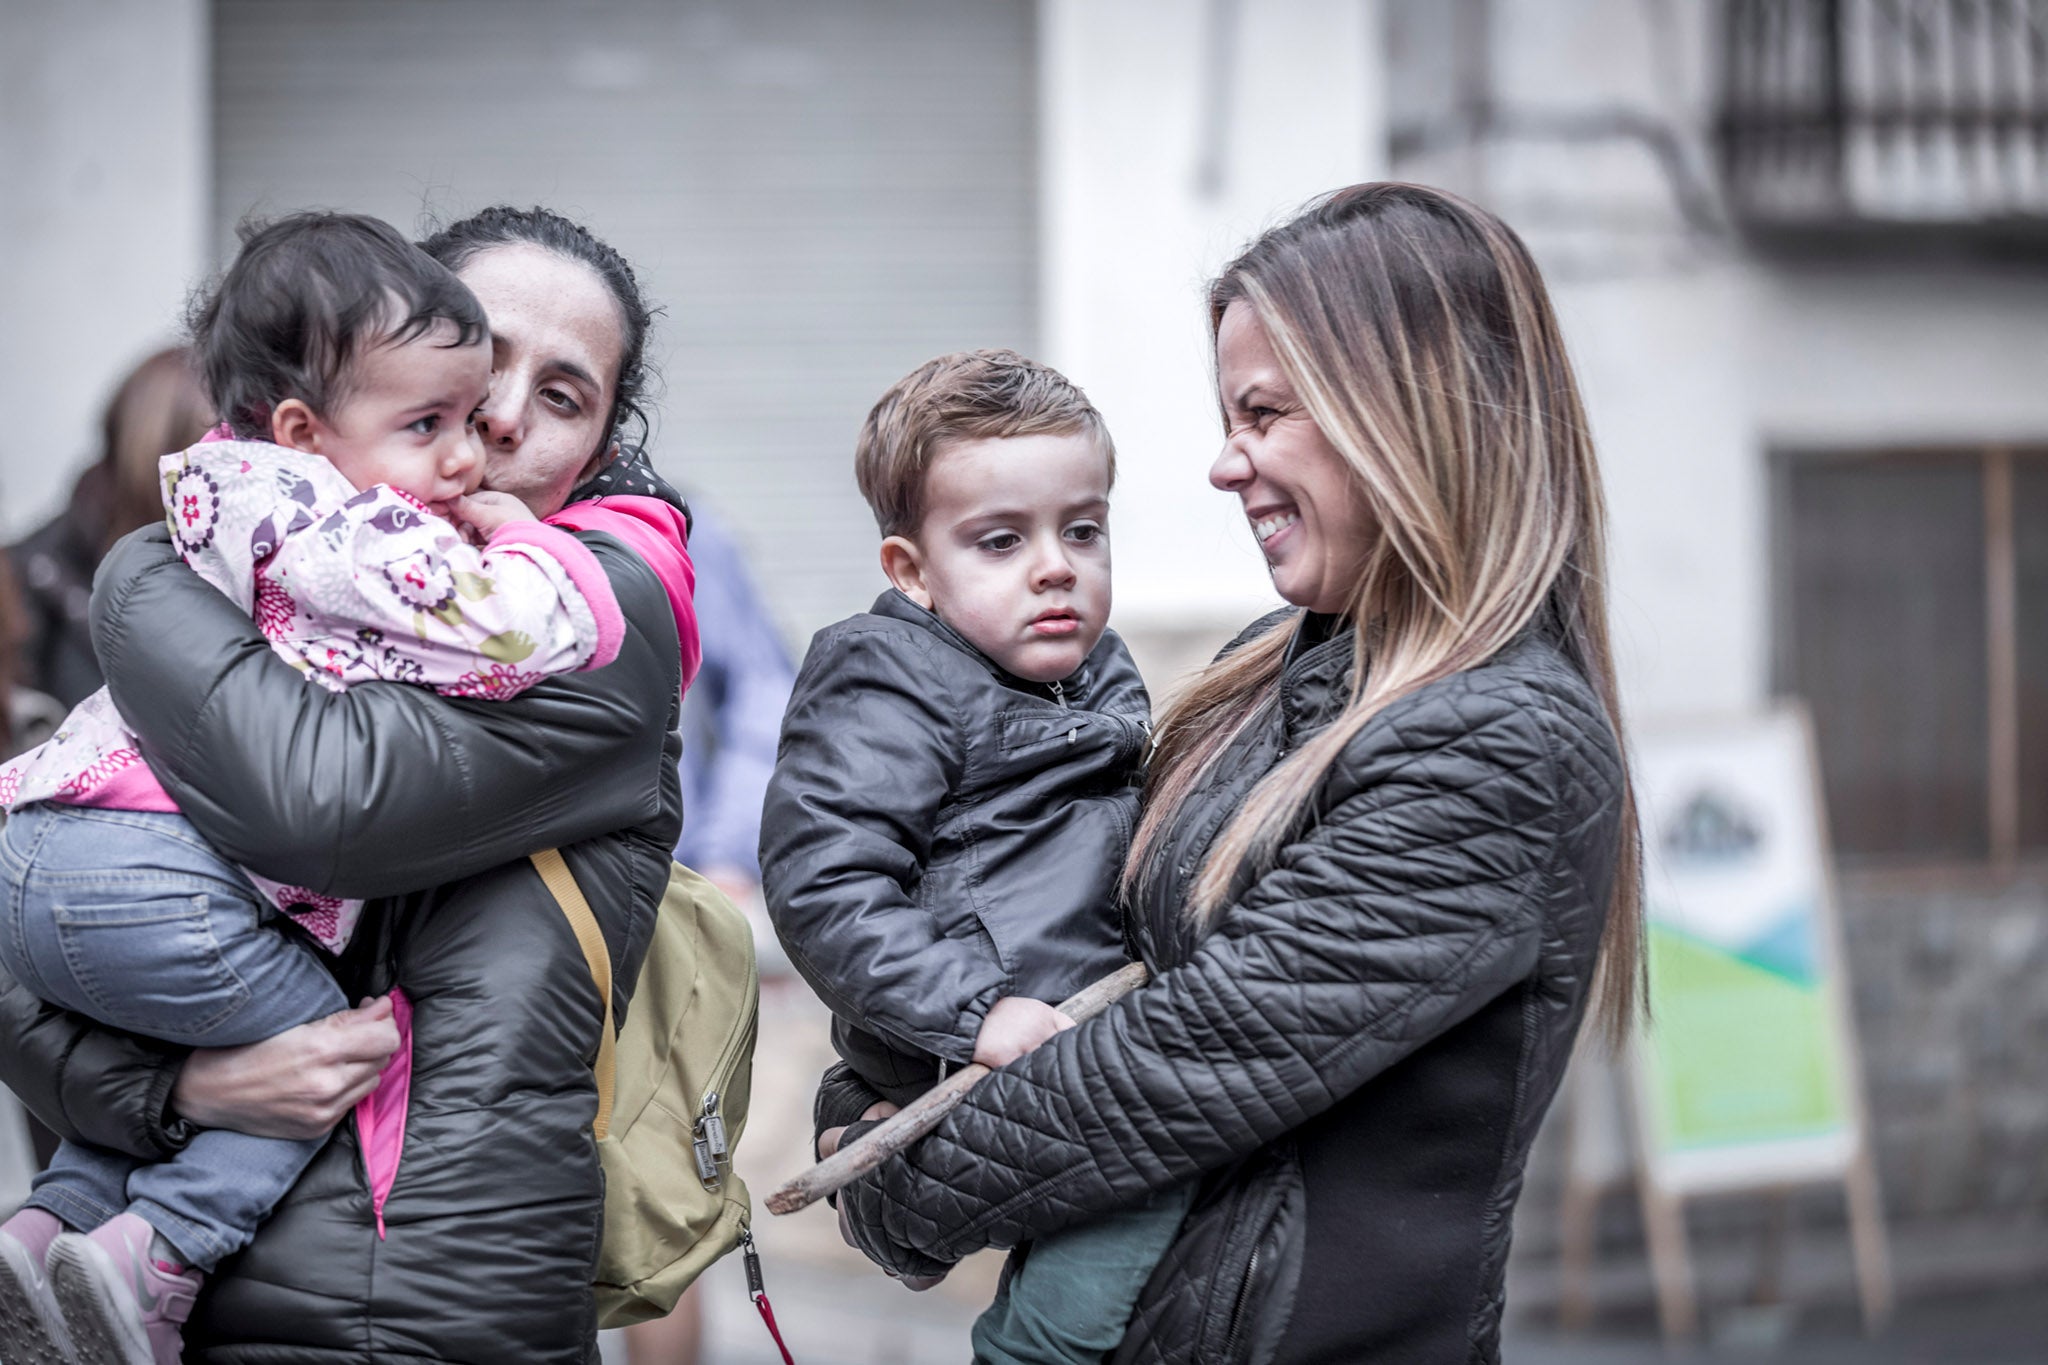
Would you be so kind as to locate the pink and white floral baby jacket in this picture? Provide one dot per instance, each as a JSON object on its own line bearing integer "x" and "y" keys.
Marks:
{"x": 348, "y": 587}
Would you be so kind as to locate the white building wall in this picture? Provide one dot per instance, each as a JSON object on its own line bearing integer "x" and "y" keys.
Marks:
{"x": 1659, "y": 361}
{"x": 1656, "y": 313}
{"x": 1136, "y": 105}
{"x": 1698, "y": 359}
{"x": 1902, "y": 355}
{"x": 104, "y": 198}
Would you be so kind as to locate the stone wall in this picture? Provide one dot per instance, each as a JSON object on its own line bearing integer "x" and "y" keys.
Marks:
{"x": 1951, "y": 986}
{"x": 1949, "y": 974}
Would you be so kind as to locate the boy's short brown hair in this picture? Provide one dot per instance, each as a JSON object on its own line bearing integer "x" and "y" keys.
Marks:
{"x": 965, "y": 396}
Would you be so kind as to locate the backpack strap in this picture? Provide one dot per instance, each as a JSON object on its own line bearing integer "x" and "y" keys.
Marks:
{"x": 561, "y": 883}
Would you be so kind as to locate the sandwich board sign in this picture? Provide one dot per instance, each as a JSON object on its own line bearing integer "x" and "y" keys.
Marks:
{"x": 1745, "y": 1073}
{"x": 1747, "y": 1078}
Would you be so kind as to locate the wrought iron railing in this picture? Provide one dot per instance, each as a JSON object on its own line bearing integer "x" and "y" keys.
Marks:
{"x": 1886, "y": 113}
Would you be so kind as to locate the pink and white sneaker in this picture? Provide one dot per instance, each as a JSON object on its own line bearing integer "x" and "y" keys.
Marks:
{"x": 31, "y": 1324}
{"x": 121, "y": 1305}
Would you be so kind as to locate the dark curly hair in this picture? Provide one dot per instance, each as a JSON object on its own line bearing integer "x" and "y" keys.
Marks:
{"x": 307, "y": 294}
{"x": 503, "y": 225}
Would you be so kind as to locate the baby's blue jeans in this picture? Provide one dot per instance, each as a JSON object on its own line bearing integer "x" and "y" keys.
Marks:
{"x": 1071, "y": 1299}
{"x": 130, "y": 917}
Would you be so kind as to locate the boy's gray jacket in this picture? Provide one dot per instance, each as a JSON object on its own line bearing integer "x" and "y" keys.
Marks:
{"x": 495, "y": 1218}
{"x": 939, "y": 833}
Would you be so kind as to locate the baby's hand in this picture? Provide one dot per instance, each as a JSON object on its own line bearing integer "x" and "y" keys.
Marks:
{"x": 1013, "y": 1026}
{"x": 483, "y": 513}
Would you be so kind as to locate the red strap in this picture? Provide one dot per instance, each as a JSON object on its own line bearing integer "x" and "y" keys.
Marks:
{"x": 768, "y": 1316}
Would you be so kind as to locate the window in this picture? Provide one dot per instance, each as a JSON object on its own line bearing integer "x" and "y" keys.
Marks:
{"x": 1912, "y": 616}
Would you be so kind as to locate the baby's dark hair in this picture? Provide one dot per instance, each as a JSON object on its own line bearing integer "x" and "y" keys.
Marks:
{"x": 503, "y": 225}
{"x": 306, "y": 296}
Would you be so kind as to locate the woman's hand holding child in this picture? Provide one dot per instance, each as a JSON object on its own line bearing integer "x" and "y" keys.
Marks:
{"x": 297, "y": 1084}
{"x": 1013, "y": 1026}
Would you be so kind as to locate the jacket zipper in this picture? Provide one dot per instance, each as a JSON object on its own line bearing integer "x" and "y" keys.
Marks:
{"x": 1258, "y": 1209}
{"x": 1244, "y": 1294}
{"x": 1059, "y": 694}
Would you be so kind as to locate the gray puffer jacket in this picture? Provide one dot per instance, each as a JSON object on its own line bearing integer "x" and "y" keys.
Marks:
{"x": 940, "y": 833}
{"x": 1350, "y": 1063}
{"x": 494, "y": 1221}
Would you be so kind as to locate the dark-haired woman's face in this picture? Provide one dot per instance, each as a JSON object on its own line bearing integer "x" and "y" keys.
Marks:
{"x": 555, "y": 353}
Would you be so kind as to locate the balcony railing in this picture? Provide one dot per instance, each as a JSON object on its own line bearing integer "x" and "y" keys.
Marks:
{"x": 1902, "y": 114}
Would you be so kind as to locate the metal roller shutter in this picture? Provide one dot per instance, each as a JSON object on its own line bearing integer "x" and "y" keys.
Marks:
{"x": 822, "y": 194}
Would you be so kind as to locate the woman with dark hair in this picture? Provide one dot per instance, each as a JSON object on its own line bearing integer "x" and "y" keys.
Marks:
{"x": 490, "y": 1232}
{"x": 158, "y": 408}
{"x": 1387, "y": 843}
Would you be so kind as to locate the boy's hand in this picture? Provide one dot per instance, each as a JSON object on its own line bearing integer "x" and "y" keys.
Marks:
{"x": 1013, "y": 1026}
{"x": 828, "y": 1143}
{"x": 484, "y": 512}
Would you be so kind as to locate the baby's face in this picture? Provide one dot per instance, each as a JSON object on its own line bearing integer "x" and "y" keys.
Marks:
{"x": 405, "y": 419}
{"x": 1014, "y": 550}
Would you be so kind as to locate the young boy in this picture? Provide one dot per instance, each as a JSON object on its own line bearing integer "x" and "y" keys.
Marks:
{"x": 958, "y": 779}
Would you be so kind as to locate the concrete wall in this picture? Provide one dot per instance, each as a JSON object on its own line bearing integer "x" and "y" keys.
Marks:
{"x": 1862, "y": 354}
{"x": 1660, "y": 363}
{"x": 1656, "y": 312}
{"x": 104, "y": 196}
{"x": 1171, "y": 135}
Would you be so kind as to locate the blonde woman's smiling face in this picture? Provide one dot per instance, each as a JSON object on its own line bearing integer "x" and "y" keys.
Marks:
{"x": 1305, "y": 506}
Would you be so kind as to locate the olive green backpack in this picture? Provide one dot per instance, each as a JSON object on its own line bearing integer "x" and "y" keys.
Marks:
{"x": 671, "y": 1093}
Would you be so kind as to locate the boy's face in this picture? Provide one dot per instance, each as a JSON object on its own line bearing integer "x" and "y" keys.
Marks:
{"x": 405, "y": 419}
{"x": 1014, "y": 550}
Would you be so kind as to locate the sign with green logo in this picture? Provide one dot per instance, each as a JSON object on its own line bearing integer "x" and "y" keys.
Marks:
{"x": 1746, "y": 1075}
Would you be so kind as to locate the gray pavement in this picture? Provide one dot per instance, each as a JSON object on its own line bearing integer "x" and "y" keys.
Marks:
{"x": 2008, "y": 1327}
{"x": 835, "y": 1309}
{"x": 845, "y": 1315}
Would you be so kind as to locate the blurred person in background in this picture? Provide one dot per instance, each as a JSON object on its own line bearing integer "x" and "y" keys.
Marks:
{"x": 1387, "y": 843}
{"x": 26, "y": 716}
{"x": 497, "y": 1209}
{"x": 159, "y": 408}
{"x": 732, "y": 717}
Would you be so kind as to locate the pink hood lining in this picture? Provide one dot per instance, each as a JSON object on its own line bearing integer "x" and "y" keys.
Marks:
{"x": 659, "y": 534}
{"x": 380, "y": 1115}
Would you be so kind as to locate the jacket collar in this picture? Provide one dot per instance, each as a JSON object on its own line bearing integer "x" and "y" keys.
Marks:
{"x": 1315, "y": 679}
{"x": 631, "y": 472}
{"x": 897, "y": 607}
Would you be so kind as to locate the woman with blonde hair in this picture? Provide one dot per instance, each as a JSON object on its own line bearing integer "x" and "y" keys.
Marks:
{"x": 1387, "y": 846}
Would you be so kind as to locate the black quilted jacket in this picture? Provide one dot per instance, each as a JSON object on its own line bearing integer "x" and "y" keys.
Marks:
{"x": 939, "y": 834}
{"x": 1351, "y": 1063}
{"x": 494, "y": 1221}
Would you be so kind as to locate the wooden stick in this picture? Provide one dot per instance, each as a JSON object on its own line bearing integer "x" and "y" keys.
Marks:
{"x": 922, "y": 1114}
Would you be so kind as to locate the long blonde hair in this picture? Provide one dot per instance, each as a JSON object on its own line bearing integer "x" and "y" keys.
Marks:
{"x": 1418, "y": 333}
